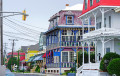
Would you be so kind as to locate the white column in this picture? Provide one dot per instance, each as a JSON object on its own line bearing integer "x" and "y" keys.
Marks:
{"x": 88, "y": 51}
{"x": 95, "y": 14}
{"x": 88, "y": 24}
{"x": 103, "y": 46}
{"x": 102, "y": 11}
{"x": 95, "y": 42}
{"x": 83, "y": 51}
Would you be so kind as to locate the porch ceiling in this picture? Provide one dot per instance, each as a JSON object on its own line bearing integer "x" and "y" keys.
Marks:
{"x": 106, "y": 33}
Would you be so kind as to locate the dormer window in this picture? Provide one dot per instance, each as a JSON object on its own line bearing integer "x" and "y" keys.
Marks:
{"x": 86, "y": 4}
{"x": 70, "y": 20}
{"x": 91, "y": 2}
{"x": 97, "y": 0}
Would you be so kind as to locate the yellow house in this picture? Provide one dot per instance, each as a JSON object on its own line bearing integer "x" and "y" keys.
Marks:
{"x": 32, "y": 51}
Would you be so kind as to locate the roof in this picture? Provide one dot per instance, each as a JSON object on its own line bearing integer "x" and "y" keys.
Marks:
{"x": 100, "y": 3}
{"x": 24, "y": 48}
{"x": 34, "y": 47}
{"x": 75, "y": 7}
{"x": 16, "y": 53}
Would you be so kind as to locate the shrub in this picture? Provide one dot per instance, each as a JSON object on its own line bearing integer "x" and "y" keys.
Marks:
{"x": 114, "y": 67}
{"x": 106, "y": 59}
{"x": 37, "y": 69}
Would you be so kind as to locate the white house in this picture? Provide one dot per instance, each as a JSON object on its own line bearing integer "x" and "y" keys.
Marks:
{"x": 106, "y": 36}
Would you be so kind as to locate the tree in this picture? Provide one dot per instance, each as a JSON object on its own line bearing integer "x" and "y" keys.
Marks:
{"x": 13, "y": 61}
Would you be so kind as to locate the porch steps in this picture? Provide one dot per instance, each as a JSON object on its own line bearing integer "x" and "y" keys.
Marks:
{"x": 91, "y": 69}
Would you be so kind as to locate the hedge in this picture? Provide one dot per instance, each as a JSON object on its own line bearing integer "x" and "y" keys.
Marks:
{"x": 107, "y": 58}
{"x": 114, "y": 67}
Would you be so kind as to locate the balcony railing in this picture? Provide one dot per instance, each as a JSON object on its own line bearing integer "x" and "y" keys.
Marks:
{"x": 63, "y": 65}
{"x": 68, "y": 44}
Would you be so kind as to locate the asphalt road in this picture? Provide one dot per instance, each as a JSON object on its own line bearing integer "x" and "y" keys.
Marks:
{"x": 27, "y": 75}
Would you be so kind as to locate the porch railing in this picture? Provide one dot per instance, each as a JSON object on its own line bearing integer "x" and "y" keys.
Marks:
{"x": 63, "y": 65}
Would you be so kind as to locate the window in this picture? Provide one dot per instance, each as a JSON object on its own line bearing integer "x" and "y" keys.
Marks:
{"x": 69, "y": 20}
{"x": 107, "y": 50}
{"x": 98, "y": 25}
{"x": 71, "y": 56}
{"x": 64, "y": 32}
{"x": 105, "y": 22}
{"x": 64, "y": 56}
{"x": 97, "y": 0}
{"x": 63, "y": 38}
{"x": 91, "y": 2}
{"x": 85, "y": 4}
{"x": 109, "y": 21}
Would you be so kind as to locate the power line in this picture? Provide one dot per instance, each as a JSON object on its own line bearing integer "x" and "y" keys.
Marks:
{"x": 22, "y": 26}
{"x": 15, "y": 33}
{"x": 27, "y": 24}
{"x": 19, "y": 31}
{"x": 21, "y": 38}
{"x": 22, "y": 29}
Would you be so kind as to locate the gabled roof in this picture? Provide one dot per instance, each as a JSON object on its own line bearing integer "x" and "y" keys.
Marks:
{"x": 100, "y": 3}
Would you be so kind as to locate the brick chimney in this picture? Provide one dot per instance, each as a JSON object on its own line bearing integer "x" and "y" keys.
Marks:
{"x": 67, "y": 5}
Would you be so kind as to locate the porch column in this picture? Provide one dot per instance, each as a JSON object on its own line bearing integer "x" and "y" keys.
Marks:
{"x": 88, "y": 24}
{"x": 83, "y": 51}
{"x": 95, "y": 13}
{"x": 95, "y": 42}
{"x": 88, "y": 51}
{"x": 102, "y": 11}
{"x": 103, "y": 46}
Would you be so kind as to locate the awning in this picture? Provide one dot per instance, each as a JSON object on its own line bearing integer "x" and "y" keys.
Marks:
{"x": 44, "y": 56}
{"x": 31, "y": 59}
{"x": 38, "y": 58}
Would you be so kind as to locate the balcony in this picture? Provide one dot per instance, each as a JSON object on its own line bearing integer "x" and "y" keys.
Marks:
{"x": 63, "y": 65}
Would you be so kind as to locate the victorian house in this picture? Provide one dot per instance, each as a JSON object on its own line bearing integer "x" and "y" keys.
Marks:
{"x": 63, "y": 38}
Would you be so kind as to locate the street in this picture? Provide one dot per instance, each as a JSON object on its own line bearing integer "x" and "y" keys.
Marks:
{"x": 27, "y": 75}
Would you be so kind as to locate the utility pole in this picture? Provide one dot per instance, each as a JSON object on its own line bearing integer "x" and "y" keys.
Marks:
{"x": 5, "y": 48}
{"x": 1, "y": 34}
{"x": 13, "y": 40}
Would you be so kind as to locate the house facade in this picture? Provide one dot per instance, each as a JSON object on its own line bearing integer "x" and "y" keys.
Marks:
{"x": 106, "y": 35}
{"x": 63, "y": 39}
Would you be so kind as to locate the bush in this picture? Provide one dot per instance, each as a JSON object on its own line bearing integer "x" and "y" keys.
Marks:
{"x": 37, "y": 69}
{"x": 13, "y": 61}
{"x": 114, "y": 67}
{"x": 106, "y": 59}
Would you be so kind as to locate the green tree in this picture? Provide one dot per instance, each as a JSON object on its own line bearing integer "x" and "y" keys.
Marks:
{"x": 13, "y": 61}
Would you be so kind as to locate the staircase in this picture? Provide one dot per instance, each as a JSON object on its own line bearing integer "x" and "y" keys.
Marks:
{"x": 33, "y": 70}
{"x": 91, "y": 69}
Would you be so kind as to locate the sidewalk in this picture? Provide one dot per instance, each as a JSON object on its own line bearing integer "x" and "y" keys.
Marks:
{"x": 2, "y": 70}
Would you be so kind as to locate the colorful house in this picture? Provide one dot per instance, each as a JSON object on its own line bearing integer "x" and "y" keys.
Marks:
{"x": 15, "y": 54}
{"x": 32, "y": 51}
{"x": 106, "y": 36}
{"x": 63, "y": 38}
{"x": 42, "y": 47}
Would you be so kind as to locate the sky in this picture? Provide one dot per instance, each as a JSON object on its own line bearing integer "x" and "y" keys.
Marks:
{"x": 39, "y": 12}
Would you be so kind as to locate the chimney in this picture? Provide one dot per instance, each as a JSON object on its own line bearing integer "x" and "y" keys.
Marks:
{"x": 67, "y": 5}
